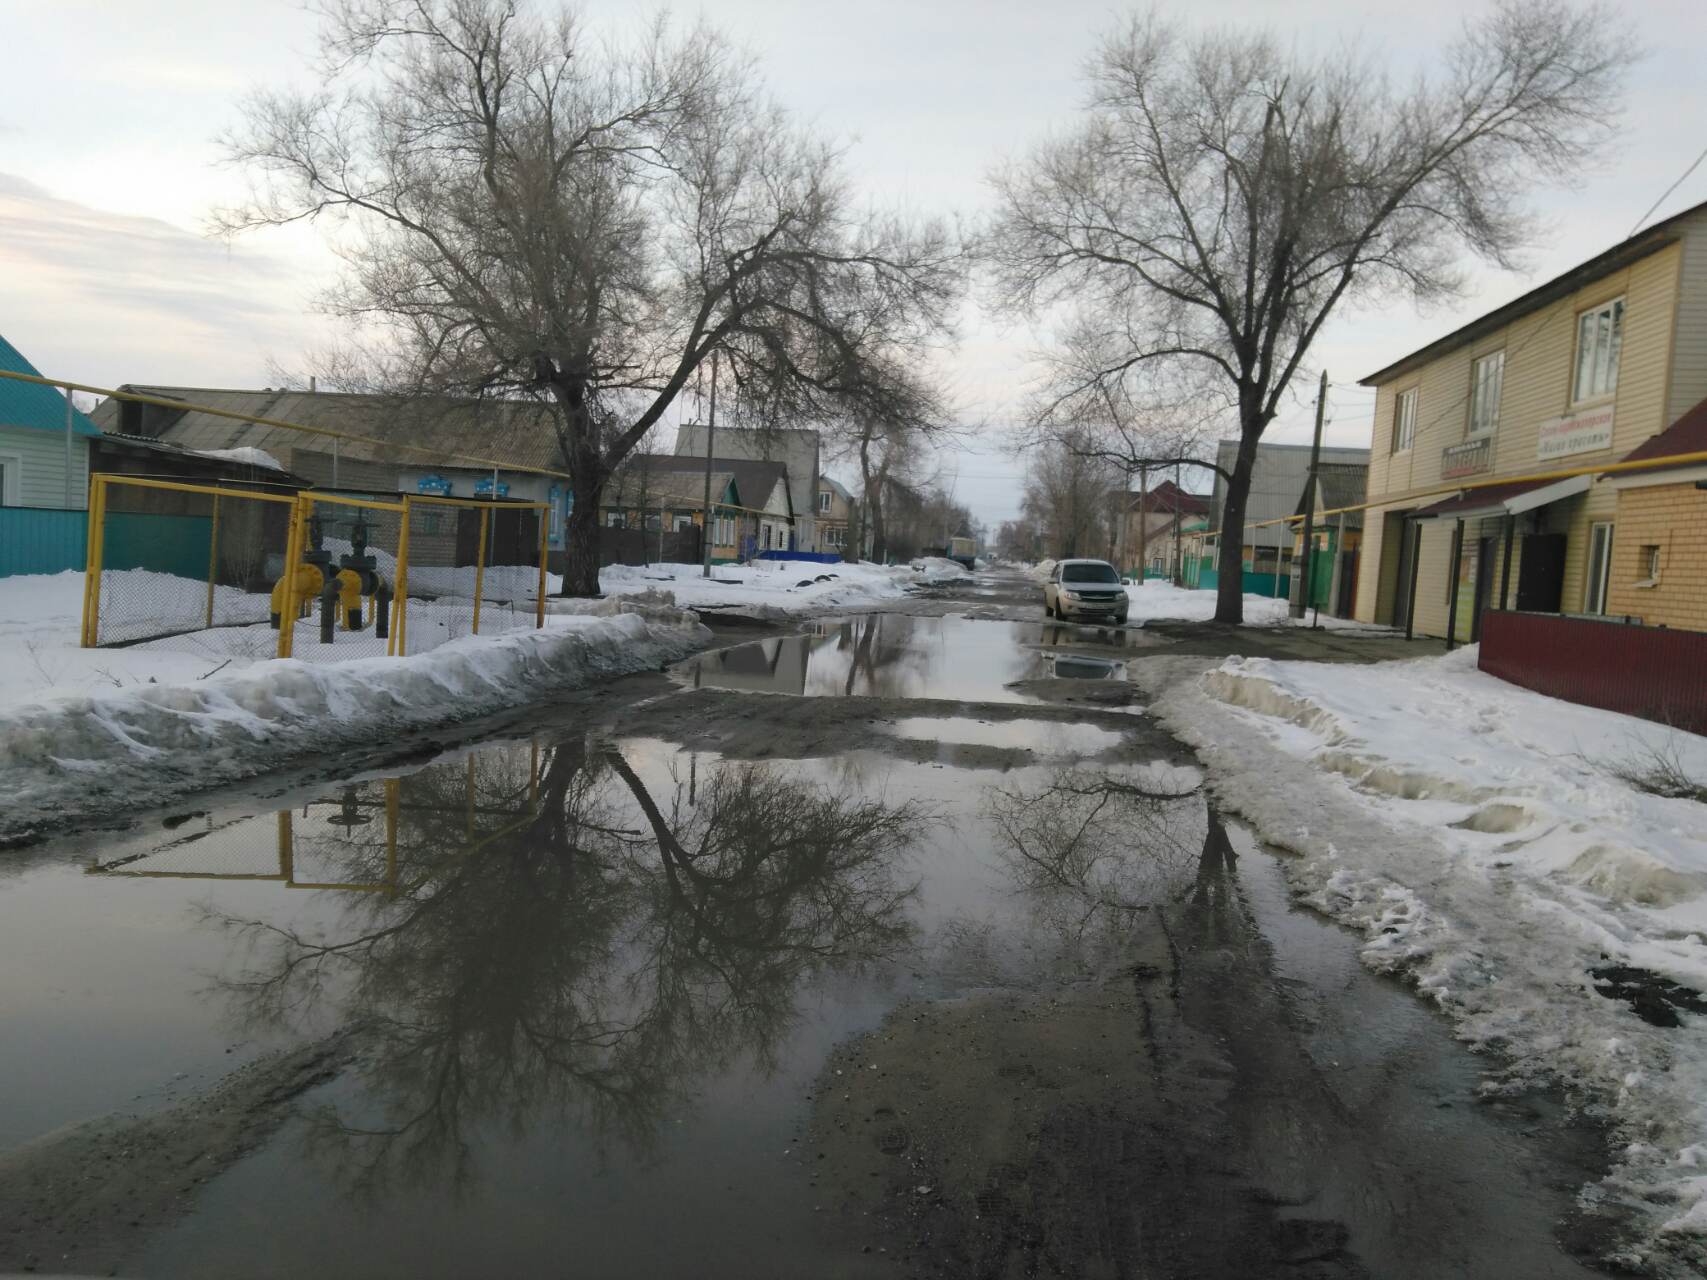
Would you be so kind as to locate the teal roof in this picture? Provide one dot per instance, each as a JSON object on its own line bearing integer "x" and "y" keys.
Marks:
{"x": 29, "y": 404}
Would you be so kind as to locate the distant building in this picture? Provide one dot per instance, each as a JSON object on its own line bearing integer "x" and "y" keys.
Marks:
{"x": 1148, "y": 524}
{"x": 751, "y": 510}
{"x": 834, "y": 518}
{"x": 1333, "y": 582}
{"x": 1276, "y": 481}
{"x": 796, "y": 449}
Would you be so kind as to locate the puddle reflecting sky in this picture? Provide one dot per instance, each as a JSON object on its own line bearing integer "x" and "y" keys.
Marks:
{"x": 897, "y": 656}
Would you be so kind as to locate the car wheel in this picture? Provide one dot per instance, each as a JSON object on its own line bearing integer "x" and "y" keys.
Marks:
{"x": 1048, "y": 609}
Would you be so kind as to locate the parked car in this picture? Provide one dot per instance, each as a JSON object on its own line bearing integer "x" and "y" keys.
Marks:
{"x": 1085, "y": 589}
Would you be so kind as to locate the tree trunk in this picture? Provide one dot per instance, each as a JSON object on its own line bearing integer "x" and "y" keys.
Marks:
{"x": 581, "y": 534}
{"x": 1230, "y": 589}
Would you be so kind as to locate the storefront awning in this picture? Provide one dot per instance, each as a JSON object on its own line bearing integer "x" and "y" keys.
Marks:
{"x": 1503, "y": 499}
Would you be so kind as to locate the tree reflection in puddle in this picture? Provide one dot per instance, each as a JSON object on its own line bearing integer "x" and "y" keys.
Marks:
{"x": 584, "y": 963}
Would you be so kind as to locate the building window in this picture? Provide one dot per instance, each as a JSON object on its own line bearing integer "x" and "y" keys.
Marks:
{"x": 1599, "y": 563}
{"x": 1487, "y": 376}
{"x": 823, "y": 500}
{"x": 1404, "y": 420}
{"x": 1648, "y": 564}
{"x": 1600, "y": 335}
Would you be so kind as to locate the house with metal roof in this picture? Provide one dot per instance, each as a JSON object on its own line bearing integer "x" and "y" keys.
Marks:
{"x": 44, "y": 473}
{"x": 751, "y": 505}
{"x": 44, "y": 442}
{"x": 374, "y": 443}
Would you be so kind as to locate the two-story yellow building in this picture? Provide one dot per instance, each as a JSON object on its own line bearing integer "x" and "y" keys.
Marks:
{"x": 1585, "y": 369}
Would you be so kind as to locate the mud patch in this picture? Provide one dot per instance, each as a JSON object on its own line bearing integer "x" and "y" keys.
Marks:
{"x": 1656, "y": 1000}
{"x": 83, "y": 1197}
{"x": 1023, "y": 1135}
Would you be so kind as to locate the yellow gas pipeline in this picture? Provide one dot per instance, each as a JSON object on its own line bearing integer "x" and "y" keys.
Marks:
{"x": 309, "y": 580}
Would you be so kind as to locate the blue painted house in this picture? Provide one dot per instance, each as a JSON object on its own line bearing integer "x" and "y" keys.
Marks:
{"x": 44, "y": 474}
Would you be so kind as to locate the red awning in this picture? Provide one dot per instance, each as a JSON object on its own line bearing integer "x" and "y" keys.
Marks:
{"x": 1503, "y": 499}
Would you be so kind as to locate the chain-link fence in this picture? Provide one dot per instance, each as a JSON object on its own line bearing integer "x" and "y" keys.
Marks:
{"x": 318, "y": 576}
{"x": 171, "y": 559}
{"x": 473, "y": 569}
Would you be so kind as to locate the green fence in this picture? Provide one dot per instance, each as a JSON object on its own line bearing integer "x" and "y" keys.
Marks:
{"x": 42, "y": 540}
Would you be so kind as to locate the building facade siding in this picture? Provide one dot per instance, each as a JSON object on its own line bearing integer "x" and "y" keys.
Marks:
{"x": 1653, "y": 367}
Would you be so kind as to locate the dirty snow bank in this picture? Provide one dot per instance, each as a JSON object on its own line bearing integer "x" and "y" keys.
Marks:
{"x": 773, "y": 588}
{"x": 79, "y": 755}
{"x": 1472, "y": 831}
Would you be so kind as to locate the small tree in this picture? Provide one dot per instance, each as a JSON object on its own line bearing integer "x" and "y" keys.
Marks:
{"x": 1223, "y": 194}
{"x": 531, "y": 213}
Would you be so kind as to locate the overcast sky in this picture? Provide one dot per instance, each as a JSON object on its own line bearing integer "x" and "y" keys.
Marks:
{"x": 108, "y": 166}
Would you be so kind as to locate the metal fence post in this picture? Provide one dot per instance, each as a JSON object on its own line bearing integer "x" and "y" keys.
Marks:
{"x": 293, "y": 552}
{"x": 400, "y": 617}
{"x": 480, "y": 559}
{"x": 92, "y": 562}
{"x": 544, "y": 542}
{"x": 212, "y": 559}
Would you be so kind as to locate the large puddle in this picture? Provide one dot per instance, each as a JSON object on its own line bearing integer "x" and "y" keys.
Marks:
{"x": 587, "y": 988}
{"x": 897, "y": 656}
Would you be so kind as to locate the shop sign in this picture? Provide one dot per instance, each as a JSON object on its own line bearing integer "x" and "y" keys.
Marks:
{"x": 1587, "y": 432}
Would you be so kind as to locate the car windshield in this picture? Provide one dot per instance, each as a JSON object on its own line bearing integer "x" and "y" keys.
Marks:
{"x": 1089, "y": 573}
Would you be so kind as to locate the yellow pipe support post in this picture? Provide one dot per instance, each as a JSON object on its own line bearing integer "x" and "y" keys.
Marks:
{"x": 212, "y": 559}
{"x": 544, "y": 536}
{"x": 400, "y": 604}
{"x": 293, "y": 551}
{"x": 480, "y": 563}
{"x": 92, "y": 561}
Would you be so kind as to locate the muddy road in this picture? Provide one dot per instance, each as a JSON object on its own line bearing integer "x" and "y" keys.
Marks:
{"x": 899, "y": 944}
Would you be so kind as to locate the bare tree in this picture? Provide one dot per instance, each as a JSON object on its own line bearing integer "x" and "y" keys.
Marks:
{"x": 530, "y": 213}
{"x": 1074, "y": 499}
{"x": 1224, "y": 193}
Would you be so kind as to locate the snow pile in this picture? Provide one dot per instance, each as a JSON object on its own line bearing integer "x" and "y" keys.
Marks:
{"x": 1159, "y": 601}
{"x": 932, "y": 570}
{"x": 769, "y": 588}
{"x": 78, "y": 755}
{"x": 247, "y": 453}
{"x": 1477, "y": 834}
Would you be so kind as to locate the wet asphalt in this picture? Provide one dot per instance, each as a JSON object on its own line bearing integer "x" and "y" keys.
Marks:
{"x": 899, "y": 944}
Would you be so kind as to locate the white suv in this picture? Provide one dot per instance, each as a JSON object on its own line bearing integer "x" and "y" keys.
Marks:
{"x": 1085, "y": 589}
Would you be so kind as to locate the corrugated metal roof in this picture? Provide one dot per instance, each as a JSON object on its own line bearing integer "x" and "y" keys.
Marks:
{"x": 29, "y": 404}
{"x": 754, "y": 480}
{"x": 518, "y": 433}
{"x": 1687, "y": 435}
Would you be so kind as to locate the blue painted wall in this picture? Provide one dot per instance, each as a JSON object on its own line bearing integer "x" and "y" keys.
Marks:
{"x": 35, "y": 540}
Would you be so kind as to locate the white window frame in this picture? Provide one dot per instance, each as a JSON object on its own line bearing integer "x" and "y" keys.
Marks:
{"x": 1487, "y": 380}
{"x": 1597, "y": 356}
{"x": 823, "y": 501}
{"x": 1405, "y": 420}
{"x": 11, "y": 479}
{"x": 1594, "y": 592}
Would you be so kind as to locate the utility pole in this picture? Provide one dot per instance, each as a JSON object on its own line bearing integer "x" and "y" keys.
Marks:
{"x": 1303, "y": 602}
{"x": 1143, "y": 521}
{"x": 1179, "y": 558}
{"x": 710, "y": 439}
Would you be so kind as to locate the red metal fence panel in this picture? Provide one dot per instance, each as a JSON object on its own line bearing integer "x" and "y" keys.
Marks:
{"x": 1652, "y": 672}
